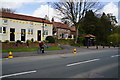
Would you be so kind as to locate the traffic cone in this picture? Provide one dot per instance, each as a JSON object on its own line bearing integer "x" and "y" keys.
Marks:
{"x": 75, "y": 51}
{"x": 10, "y": 55}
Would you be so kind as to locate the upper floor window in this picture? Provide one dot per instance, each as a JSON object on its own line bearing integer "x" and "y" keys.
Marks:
{"x": 3, "y": 30}
{"x": 5, "y": 21}
{"x": 46, "y": 32}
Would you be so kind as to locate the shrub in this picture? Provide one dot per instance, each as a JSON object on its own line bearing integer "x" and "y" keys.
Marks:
{"x": 6, "y": 41}
{"x": 65, "y": 41}
{"x": 45, "y": 41}
{"x": 32, "y": 40}
{"x": 50, "y": 39}
{"x": 35, "y": 41}
{"x": 0, "y": 41}
{"x": 28, "y": 41}
{"x": 18, "y": 41}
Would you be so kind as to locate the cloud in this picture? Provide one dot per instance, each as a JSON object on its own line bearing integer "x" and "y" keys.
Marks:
{"x": 46, "y": 10}
{"x": 111, "y": 8}
{"x": 13, "y": 4}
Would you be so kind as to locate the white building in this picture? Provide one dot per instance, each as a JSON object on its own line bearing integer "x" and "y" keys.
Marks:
{"x": 15, "y": 27}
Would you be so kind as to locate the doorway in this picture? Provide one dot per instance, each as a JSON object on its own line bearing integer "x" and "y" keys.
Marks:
{"x": 12, "y": 35}
{"x": 39, "y": 35}
{"x": 23, "y": 31}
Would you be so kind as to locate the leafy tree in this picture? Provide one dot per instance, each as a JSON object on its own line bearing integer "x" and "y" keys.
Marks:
{"x": 114, "y": 38}
{"x": 106, "y": 27}
{"x": 90, "y": 22}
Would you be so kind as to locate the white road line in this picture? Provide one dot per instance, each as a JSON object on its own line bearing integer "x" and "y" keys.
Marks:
{"x": 17, "y": 74}
{"x": 83, "y": 62}
{"x": 115, "y": 56}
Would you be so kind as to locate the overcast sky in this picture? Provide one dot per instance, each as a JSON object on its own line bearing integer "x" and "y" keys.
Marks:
{"x": 40, "y": 8}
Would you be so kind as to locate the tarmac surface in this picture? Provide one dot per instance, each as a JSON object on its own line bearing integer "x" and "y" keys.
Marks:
{"x": 65, "y": 49}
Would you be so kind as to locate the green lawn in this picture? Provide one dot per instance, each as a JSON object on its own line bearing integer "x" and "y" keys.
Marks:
{"x": 28, "y": 49}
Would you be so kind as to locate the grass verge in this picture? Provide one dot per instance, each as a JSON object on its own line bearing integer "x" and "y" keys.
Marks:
{"x": 28, "y": 49}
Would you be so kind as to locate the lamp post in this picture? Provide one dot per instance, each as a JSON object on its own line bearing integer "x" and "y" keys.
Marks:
{"x": 43, "y": 29}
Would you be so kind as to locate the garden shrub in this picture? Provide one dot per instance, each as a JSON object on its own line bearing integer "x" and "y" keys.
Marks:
{"x": 18, "y": 41}
{"x": 6, "y": 41}
{"x": 50, "y": 39}
{"x": 28, "y": 41}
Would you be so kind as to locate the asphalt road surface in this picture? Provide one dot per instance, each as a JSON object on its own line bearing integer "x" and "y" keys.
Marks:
{"x": 94, "y": 64}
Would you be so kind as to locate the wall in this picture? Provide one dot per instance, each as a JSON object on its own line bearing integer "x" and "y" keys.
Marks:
{"x": 21, "y": 24}
{"x": 21, "y": 45}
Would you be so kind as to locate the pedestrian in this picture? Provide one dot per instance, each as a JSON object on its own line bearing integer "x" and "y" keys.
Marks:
{"x": 41, "y": 45}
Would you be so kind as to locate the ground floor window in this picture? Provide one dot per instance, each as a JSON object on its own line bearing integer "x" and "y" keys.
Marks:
{"x": 46, "y": 32}
{"x": 3, "y": 30}
{"x": 30, "y": 31}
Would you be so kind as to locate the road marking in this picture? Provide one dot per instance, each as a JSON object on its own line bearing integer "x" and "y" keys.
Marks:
{"x": 115, "y": 56}
{"x": 83, "y": 62}
{"x": 17, "y": 74}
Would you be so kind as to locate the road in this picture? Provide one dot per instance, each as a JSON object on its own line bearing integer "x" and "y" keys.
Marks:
{"x": 94, "y": 64}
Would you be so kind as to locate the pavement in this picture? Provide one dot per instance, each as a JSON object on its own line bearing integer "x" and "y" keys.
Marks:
{"x": 65, "y": 49}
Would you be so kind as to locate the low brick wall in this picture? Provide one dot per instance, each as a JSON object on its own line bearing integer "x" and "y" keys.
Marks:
{"x": 22, "y": 45}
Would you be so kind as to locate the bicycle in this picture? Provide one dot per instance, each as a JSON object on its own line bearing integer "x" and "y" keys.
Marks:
{"x": 39, "y": 50}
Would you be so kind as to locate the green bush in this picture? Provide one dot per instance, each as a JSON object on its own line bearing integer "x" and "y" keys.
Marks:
{"x": 81, "y": 38}
{"x": 18, "y": 41}
{"x": 32, "y": 40}
{"x": 45, "y": 41}
{"x": 28, "y": 41}
{"x": 50, "y": 39}
{"x": 114, "y": 38}
{"x": 6, "y": 41}
{"x": 65, "y": 41}
{"x": 77, "y": 45}
{"x": 35, "y": 41}
{"x": 0, "y": 41}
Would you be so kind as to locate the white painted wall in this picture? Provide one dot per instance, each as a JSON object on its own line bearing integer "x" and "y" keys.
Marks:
{"x": 21, "y": 24}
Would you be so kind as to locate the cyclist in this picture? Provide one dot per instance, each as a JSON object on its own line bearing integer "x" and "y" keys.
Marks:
{"x": 41, "y": 44}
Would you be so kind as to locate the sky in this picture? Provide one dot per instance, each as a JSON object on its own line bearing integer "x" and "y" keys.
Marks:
{"x": 40, "y": 8}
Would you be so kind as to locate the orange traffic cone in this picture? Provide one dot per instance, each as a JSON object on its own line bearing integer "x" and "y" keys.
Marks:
{"x": 75, "y": 51}
{"x": 10, "y": 55}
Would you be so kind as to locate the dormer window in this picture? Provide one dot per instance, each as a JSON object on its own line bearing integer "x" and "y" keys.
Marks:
{"x": 5, "y": 21}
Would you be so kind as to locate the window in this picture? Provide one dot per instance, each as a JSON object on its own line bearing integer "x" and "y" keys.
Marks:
{"x": 3, "y": 30}
{"x": 46, "y": 32}
{"x": 0, "y": 29}
{"x": 30, "y": 31}
{"x": 5, "y": 21}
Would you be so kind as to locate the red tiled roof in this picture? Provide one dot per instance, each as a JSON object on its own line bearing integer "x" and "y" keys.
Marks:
{"x": 72, "y": 29}
{"x": 60, "y": 25}
{"x": 22, "y": 17}
{"x": 63, "y": 26}
{"x": 89, "y": 35}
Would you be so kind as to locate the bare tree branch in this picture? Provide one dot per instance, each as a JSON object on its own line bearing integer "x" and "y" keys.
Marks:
{"x": 75, "y": 10}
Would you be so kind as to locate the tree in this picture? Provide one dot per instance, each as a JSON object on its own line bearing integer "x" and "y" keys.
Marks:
{"x": 114, "y": 38}
{"x": 74, "y": 10}
{"x": 90, "y": 22}
{"x": 7, "y": 10}
{"x": 106, "y": 27}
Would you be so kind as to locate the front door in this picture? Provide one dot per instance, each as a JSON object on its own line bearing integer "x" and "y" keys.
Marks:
{"x": 12, "y": 35}
{"x": 39, "y": 35}
{"x": 23, "y": 34}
